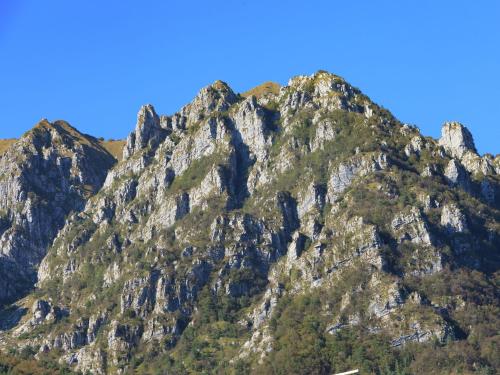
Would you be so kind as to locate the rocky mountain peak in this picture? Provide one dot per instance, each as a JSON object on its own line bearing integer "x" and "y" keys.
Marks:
{"x": 58, "y": 136}
{"x": 148, "y": 132}
{"x": 48, "y": 173}
{"x": 456, "y": 139}
{"x": 248, "y": 232}
{"x": 221, "y": 86}
{"x": 217, "y": 97}
{"x": 321, "y": 83}
{"x": 327, "y": 91}
{"x": 45, "y": 131}
{"x": 59, "y": 126}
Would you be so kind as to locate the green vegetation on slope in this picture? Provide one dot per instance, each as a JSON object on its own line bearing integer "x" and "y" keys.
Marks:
{"x": 24, "y": 363}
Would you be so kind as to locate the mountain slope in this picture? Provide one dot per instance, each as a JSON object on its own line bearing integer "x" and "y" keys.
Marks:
{"x": 264, "y": 89}
{"x": 114, "y": 147}
{"x": 47, "y": 174}
{"x": 303, "y": 231}
{"x": 5, "y": 144}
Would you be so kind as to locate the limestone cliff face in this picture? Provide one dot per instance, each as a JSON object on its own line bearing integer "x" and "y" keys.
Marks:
{"x": 47, "y": 174}
{"x": 456, "y": 139}
{"x": 222, "y": 211}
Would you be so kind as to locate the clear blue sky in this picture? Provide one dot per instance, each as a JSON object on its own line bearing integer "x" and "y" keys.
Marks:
{"x": 94, "y": 63}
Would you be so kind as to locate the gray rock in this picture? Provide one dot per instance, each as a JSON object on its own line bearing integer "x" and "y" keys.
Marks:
{"x": 313, "y": 197}
{"x": 456, "y": 175}
{"x": 148, "y": 132}
{"x": 252, "y": 126}
{"x": 453, "y": 220}
{"x": 384, "y": 305}
{"x": 342, "y": 176}
{"x": 46, "y": 175}
{"x": 456, "y": 139}
{"x": 121, "y": 339}
{"x": 424, "y": 334}
{"x": 217, "y": 97}
{"x": 415, "y": 146}
{"x": 325, "y": 133}
{"x": 89, "y": 359}
{"x": 137, "y": 296}
{"x": 488, "y": 191}
{"x": 411, "y": 226}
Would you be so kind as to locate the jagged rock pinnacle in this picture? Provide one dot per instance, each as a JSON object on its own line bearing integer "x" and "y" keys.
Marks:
{"x": 148, "y": 132}
{"x": 456, "y": 139}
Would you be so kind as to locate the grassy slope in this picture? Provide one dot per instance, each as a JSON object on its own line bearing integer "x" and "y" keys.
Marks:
{"x": 263, "y": 89}
{"x": 115, "y": 148}
{"x": 4, "y": 144}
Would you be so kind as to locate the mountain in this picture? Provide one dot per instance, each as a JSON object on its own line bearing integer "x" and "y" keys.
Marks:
{"x": 47, "y": 174}
{"x": 303, "y": 230}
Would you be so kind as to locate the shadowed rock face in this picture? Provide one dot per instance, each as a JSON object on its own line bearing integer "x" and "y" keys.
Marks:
{"x": 223, "y": 217}
{"x": 47, "y": 174}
